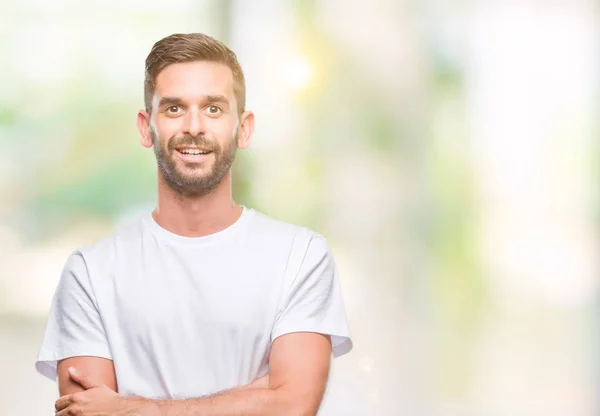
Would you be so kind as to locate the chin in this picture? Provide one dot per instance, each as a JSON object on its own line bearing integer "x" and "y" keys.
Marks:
{"x": 184, "y": 168}
{"x": 194, "y": 171}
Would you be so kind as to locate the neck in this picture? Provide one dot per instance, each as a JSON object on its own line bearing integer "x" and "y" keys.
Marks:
{"x": 196, "y": 215}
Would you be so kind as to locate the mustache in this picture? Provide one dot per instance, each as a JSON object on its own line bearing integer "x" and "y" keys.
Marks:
{"x": 189, "y": 140}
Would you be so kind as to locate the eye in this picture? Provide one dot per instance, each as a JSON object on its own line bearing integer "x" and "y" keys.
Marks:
{"x": 213, "y": 110}
{"x": 174, "y": 109}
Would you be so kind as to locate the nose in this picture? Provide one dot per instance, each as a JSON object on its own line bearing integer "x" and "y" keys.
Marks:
{"x": 193, "y": 123}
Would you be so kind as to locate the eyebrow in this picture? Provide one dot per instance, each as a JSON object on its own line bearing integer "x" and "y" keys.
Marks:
{"x": 169, "y": 101}
{"x": 217, "y": 99}
{"x": 208, "y": 98}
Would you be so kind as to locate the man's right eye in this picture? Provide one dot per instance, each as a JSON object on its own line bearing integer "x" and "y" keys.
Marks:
{"x": 174, "y": 109}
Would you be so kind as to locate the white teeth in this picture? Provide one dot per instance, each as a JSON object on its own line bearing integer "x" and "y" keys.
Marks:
{"x": 193, "y": 152}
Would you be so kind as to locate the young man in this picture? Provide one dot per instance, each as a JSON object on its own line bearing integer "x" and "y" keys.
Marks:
{"x": 203, "y": 306}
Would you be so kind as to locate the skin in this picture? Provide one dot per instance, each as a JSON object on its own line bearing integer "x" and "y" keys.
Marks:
{"x": 299, "y": 367}
{"x": 194, "y": 105}
{"x": 195, "y": 215}
{"x": 100, "y": 369}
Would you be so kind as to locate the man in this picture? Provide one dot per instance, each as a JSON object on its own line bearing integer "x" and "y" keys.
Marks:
{"x": 202, "y": 307}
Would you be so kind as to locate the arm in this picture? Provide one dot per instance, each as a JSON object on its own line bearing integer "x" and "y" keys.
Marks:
{"x": 75, "y": 333}
{"x": 99, "y": 398}
{"x": 299, "y": 367}
{"x": 101, "y": 369}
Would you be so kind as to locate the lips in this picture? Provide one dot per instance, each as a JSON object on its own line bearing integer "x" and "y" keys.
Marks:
{"x": 192, "y": 151}
{"x": 195, "y": 155}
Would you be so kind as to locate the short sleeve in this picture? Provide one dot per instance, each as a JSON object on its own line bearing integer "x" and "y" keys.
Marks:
{"x": 313, "y": 300}
{"x": 74, "y": 326}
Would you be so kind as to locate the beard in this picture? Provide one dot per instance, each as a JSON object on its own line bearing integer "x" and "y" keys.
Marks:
{"x": 199, "y": 179}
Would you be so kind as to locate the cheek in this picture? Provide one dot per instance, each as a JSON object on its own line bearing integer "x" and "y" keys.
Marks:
{"x": 235, "y": 129}
{"x": 165, "y": 129}
{"x": 222, "y": 129}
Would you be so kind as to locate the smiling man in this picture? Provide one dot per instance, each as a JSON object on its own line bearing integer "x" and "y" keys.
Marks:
{"x": 203, "y": 306}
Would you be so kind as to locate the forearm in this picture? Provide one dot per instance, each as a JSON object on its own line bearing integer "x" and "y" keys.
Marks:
{"x": 236, "y": 402}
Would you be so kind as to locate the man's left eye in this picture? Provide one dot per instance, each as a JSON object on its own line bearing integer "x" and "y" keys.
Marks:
{"x": 213, "y": 109}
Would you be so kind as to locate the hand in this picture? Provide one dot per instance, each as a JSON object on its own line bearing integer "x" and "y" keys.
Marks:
{"x": 99, "y": 400}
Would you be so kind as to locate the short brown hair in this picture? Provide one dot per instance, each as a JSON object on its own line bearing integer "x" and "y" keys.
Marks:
{"x": 190, "y": 47}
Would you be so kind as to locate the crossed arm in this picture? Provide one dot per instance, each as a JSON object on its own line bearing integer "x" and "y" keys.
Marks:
{"x": 298, "y": 370}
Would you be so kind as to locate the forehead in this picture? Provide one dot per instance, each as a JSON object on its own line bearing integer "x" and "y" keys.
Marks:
{"x": 194, "y": 79}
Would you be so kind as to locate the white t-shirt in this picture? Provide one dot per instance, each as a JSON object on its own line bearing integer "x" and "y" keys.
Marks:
{"x": 185, "y": 317}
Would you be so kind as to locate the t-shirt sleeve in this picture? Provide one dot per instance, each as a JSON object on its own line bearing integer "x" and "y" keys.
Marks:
{"x": 313, "y": 300}
{"x": 74, "y": 326}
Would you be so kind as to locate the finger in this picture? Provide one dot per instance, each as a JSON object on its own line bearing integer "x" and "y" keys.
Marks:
{"x": 63, "y": 402}
{"x": 86, "y": 381}
{"x": 67, "y": 412}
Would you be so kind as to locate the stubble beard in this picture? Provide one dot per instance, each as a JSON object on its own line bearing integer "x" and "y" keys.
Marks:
{"x": 189, "y": 184}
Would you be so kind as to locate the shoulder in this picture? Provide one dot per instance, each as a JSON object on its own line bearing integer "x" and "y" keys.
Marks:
{"x": 265, "y": 226}
{"x": 295, "y": 243}
{"x": 105, "y": 250}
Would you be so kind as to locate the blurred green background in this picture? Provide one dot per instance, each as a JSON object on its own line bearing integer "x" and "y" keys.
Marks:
{"x": 448, "y": 150}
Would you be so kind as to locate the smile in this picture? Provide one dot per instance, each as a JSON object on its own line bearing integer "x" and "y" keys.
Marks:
{"x": 193, "y": 154}
{"x": 193, "y": 151}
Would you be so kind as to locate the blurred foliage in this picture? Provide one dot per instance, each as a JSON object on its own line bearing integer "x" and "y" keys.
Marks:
{"x": 440, "y": 217}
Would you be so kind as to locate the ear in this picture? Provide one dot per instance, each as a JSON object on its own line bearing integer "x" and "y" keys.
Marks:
{"x": 246, "y": 130}
{"x": 143, "y": 125}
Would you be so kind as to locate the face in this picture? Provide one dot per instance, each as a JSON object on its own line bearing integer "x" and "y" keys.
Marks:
{"x": 194, "y": 126}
